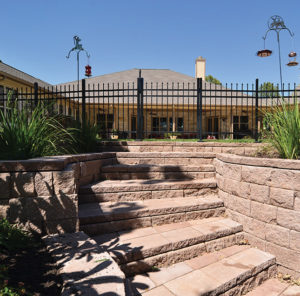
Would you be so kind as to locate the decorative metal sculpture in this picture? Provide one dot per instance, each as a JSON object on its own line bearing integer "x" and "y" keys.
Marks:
{"x": 78, "y": 48}
{"x": 276, "y": 23}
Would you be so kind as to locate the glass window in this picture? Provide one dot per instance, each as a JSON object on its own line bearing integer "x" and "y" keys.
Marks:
{"x": 163, "y": 124}
{"x": 243, "y": 123}
{"x": 1, "y": 95}
{"x": 110, "y": 121}
{"x": 155, "y": 126}
{"x": 180, "y": 126}
{"x": 171, "y": 124}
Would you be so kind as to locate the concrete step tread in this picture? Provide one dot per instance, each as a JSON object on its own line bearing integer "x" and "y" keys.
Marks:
{"x": 145, "y": 184}
{"x": 156, "y": 168}
{"x": 110, "y": 211}
{"x": 275, "y": 287}
{"x": 131, "y": 245}
{"x": 165, "y": 154}
{"x": 238, "y": 267}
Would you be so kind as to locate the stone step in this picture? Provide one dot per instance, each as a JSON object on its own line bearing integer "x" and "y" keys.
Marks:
{"x": 144, "y": 171}
{"x": 232, "y": 271}
{"x": 141, "y": 189}
{"x": 97, "y": 218}
{"x": 137, "y": 251}
{"x": 275, "y": 287}
{"x": 166, "y": 158}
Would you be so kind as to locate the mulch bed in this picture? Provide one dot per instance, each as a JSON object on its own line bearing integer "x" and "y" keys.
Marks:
{"x": 35, "y": 268}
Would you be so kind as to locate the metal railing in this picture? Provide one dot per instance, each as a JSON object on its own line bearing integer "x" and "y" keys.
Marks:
{"x": 157, "y": 110}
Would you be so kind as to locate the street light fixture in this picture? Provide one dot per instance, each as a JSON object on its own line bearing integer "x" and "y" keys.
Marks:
{"x": 276, "y": 24}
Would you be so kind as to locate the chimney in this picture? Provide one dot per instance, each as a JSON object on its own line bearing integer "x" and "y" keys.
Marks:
{"x": 200, "y": 67}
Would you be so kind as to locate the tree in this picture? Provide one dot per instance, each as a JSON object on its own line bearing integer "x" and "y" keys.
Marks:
{"x": 268, "y": 90}
{"x": 211, "y": 79}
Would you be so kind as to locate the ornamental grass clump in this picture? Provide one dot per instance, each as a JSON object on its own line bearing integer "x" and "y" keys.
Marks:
{"x": 26, "y": 133}
{"x": 283, "y": 129}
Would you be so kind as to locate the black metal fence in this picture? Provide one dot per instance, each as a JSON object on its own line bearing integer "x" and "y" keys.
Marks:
{"x": 158, "y": 110}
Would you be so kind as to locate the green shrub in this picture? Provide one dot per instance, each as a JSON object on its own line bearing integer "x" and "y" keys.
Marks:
{"x": 85, "y": 136}
{"x": 282, "y": 128}
{"x": 26, "y": 135}
{"x": 12, "y": 238}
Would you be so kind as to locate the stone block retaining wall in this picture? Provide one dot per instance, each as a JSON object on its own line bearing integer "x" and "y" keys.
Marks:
{"x": 42, "y": 194}
{"x": 169, "y": 146}
{"x": 264, "y": 196}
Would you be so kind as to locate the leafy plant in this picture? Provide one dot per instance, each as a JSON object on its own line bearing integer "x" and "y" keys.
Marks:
{"x": 12, "y": 238}
{"x": 115, "y": 132}
{"x": 168, "y": 135}
{"x": 86, "y": 135}
{"x": 26, "y": 135}
{"x": 282, "y": 127}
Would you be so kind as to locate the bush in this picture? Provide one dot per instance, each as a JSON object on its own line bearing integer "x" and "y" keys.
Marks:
{"x": 86, "y": 137}
{"x": 13, "y": 238}
{"x": 282, "y": 128}
{"x": 26, "y": 135}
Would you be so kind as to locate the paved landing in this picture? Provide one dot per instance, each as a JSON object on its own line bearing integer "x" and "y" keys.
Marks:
{"x": 210, "y": 274}
{"x": 275, "y": 287}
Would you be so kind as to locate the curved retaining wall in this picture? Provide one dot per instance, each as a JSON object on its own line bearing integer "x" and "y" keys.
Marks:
{"x": 264, "y": 196}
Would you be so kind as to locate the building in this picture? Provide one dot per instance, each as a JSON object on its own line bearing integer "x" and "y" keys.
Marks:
{"x": 169, "y": 104}
{"x": 19, "y": 83}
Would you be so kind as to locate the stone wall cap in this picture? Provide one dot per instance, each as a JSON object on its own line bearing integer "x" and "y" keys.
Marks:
{"x": 50, "y": 163}
{"x": 262, "y": 162}
{"x": 176, "y": 143}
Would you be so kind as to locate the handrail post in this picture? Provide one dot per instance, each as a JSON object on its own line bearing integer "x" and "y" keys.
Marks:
{"x": 140, "y": 107}
{"x": 256, "y": 110}
{"x": 36, "y": 93}
{"x": 83, "y": 116}
{"x": 199, "y": 109}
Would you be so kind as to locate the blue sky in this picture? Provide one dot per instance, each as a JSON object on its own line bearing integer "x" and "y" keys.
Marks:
{"x": 36, "y": 36}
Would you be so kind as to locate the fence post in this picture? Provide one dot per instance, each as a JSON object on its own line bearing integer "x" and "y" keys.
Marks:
{"x": 83, "y": 103}
{"x": 256, "y": 110}
{"x": 199, "y": 109}
{"x": 140, "y": 107}
{"x": 36, "y": 93}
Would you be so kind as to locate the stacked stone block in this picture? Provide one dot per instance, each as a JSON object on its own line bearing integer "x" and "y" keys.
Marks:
{"x": 264, "y": 196}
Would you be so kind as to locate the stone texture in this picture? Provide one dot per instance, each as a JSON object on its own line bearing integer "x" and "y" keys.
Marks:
{"x": 259, "y": 193}
{"x": 285, "y": 257}
{"x": 277, "y": 235}
{"x": 257, "y": 228}
{"x": 158, "y": 291}
{"x": 289, "y": 219}
{"x": 5, "y": 183}
{"x": 43, "y": 183}
{"x": 263, "y": 212}
{"x": 65, "y": 182}
{"x": 4, "y": 208}
{"x": 256, "y": 175}
{"x": 292, "y": 291}
{"x": 297, "y": 201}
{"x": 295, "y": 240}
{"x": 84, "y": 267}
{"x": 282, "y": 197}
{"x": 271, "y": 287}
{"x": 22, "y": 184}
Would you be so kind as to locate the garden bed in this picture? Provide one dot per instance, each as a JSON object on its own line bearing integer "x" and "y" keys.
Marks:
{"x": 26, "y": 266}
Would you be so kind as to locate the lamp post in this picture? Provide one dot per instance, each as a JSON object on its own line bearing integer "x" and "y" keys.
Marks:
{"x": 276, "y": 24}
{"x": 78, "y": 48}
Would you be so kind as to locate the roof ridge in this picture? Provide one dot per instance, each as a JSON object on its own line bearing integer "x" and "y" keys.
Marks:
{"x": 25, "y": 73}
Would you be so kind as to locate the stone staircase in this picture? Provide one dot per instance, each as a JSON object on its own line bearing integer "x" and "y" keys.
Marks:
{"x": 159, "y": 216}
